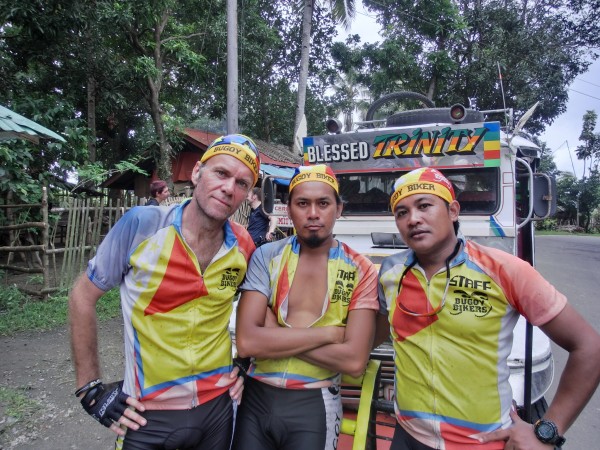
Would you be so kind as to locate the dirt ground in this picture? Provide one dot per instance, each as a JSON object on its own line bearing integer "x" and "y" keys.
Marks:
{"x": 39, "y": 365}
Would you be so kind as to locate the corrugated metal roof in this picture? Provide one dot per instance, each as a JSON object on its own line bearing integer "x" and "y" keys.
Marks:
{"x": 275, "y": 171}
{"x": 13, "y": 126}
{"x": 275, "y": 160}
{"x": 270, "y": 153}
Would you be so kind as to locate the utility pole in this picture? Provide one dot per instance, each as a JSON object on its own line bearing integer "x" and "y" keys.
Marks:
{"x": 232, "y": 68}
{"x": 580, "y": 184}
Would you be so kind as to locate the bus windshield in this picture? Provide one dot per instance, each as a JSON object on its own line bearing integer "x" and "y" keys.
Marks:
{"x": 369, "y": 193}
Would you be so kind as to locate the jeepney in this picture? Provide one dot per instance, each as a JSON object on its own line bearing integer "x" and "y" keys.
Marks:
{"x": 494, "y": 172}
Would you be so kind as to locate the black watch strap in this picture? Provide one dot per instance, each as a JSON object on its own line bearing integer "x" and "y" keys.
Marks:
{"x": 547, "y": 432}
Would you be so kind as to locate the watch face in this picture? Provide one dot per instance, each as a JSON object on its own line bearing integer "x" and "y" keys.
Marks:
{"x": 545, "y": 431}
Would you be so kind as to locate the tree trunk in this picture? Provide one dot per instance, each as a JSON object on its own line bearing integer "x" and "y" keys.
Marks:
{"x": 304, "y": 63}
{"x": 91, "y": 113}
{"x": 348, "y": 120}
{"x": 432, "y": 85}
{"x": 163, "y": 165}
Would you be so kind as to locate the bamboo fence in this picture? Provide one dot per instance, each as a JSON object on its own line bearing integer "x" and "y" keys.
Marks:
{"x": 86, "y": 223}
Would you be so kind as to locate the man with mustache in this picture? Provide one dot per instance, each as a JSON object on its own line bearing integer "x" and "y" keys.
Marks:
{"x": 306, "y": 315}
{"x": 178, "y": 270}
{"x": 451, "y": 370}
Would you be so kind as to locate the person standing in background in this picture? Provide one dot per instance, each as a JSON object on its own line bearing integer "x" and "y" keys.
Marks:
{"x": 260, "y": 226}
{"x": 159, "y": 192}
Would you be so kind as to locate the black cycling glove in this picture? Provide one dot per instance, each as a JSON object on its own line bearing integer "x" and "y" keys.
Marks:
{"x": 243, "y": 364}
{"x": 105, "y": 402}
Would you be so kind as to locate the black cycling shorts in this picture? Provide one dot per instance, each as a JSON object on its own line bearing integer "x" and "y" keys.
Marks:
{"x": 206, "y": 427}
{"x": 272, "y": 418}
{"x": 404, "y": 441}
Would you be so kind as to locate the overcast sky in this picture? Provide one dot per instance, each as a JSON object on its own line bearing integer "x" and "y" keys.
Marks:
{"x": 562, "y": 137}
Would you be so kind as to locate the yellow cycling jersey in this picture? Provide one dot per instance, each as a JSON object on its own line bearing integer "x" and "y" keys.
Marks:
{"x": 451, "y": 370}
{"x": 177, "y": 342}
{"x": 352, "y": 284}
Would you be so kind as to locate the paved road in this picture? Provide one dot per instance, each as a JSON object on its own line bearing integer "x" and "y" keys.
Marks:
{"x": 572, "y": 264}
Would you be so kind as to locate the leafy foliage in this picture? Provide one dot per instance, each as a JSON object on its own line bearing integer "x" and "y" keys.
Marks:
{"x": 578, "y": 199}
{"x": 547, "y": 164}
{"x": 589, "y": 198}
{"x": 17, "y": 404}
{"x": 589, "y": 152}
{"x": 568, "y": 192}
{"x": 454, "y": 51}
{"x": 19, "y": 312}
{"x": 121, "y": 79}
{"x": 95, "y": 173}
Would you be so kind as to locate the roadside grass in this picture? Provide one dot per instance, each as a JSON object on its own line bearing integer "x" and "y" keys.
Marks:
{"x": 563, "y": 233}
{"x": 16, "y": 404}
{"x": 20, "y": 312}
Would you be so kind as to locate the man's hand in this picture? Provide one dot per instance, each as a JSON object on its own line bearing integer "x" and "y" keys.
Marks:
{"x": 519, "y": 436}
{"x": 236, "y": 390}
{"x": 270, "y": 319}
{"x": 111, "y": 407}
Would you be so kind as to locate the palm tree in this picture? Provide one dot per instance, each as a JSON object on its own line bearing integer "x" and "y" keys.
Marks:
{"x": 591, "y": 141}
{"x": 342, "y": 12}
{"x": 351, "y": 98}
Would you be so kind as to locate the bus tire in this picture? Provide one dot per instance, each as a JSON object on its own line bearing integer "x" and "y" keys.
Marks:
{"x": 402, "y": 95}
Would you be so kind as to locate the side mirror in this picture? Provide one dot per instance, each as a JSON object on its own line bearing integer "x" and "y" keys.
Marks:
{"x": 544, "y": 196}
{"x": 268, "y": 194}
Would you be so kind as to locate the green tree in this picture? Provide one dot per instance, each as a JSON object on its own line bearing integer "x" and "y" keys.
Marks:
{"x": 589, "y": 185}
{"x": 63, "y": 72}
{"x": 269, "y": 52}
{"x": 342, "y": 12}
{"x": 96, "y": 65}
{"x": 37, "y": 54}
{"x": 589, "y": 198}
{"x": 589, "y": 152}
{"x": 578, "y": 199}
{"x": 547, "y": 164}
{"x": 568, "y": 190}
{"x": 452, "y": 51}
{"x": 165, "y": 40}
{"x": 349, "y": 98}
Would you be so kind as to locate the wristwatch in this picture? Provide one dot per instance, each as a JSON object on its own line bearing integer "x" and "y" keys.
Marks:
{"x": 547, "y": 432}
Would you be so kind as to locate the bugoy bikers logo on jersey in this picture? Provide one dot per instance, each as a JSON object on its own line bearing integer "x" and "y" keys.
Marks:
{"x": 229, "y": 278}
{"x": 471, "y": 298}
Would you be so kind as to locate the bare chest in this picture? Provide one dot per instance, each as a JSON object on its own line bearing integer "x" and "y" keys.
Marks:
{"x": 308, "y": 292}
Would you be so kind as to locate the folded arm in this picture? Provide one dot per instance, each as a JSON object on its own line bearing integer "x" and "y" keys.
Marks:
{"x": 255, "y": 339}
{"x": 350, "y": 356}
